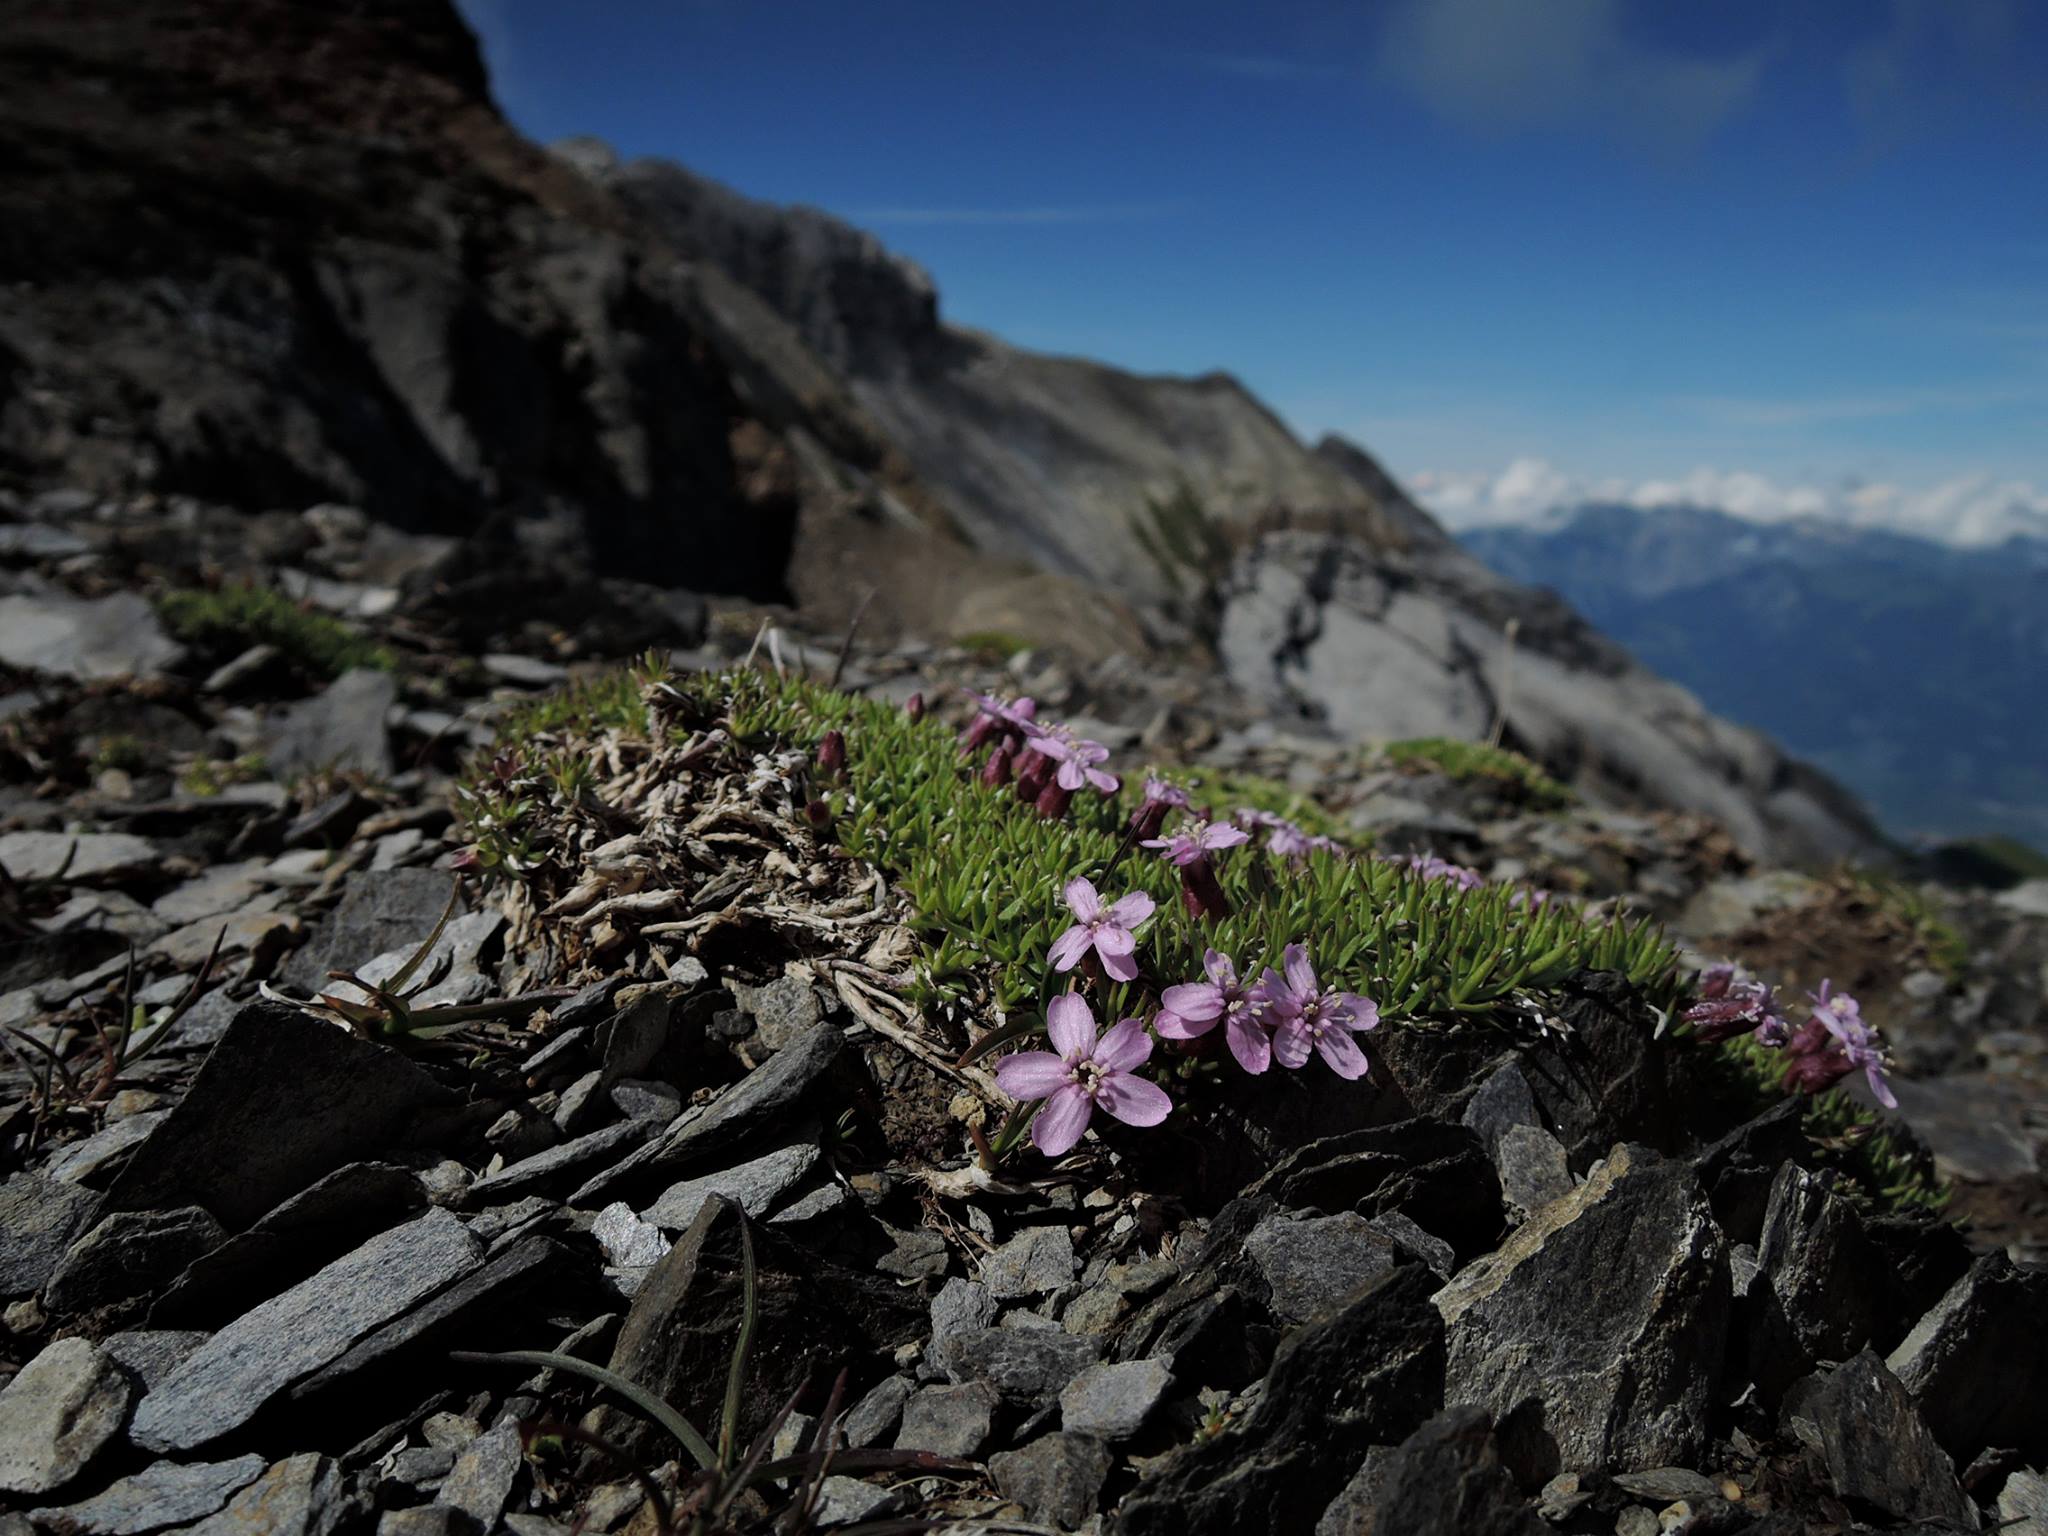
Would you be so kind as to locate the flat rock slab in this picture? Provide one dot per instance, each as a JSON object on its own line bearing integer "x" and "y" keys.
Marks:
{"x": 38, "y": 1219}
{"x": 756, "y": 1186}
{"x": 299, "y": 1496}
{"x": 1880, "y": 1455}
{"x": 764, "y": 1100}
{"x": 56, "y": 1415}
{"x": 1977, "y": 1363}
{"x": 341, "y": 728}
{"x": 1312, "y": 1263}
{"x": 80, "y": 857}
{"x": 165, "y": 1494}
{"x": 396, "y": 909}
{"x": 1112, "y": 1401}
{"x": 1448, "y": 1476}
{"x": 129, "y": 1254}
{"x": 281, "y": 1100}
{"x": 103, "y": 637}
{"x": 1611, "y": 1307}
{"x": 229, "y": 1378}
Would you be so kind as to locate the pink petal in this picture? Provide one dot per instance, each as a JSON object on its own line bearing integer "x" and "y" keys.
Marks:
{"x": 1299, "y": 975}
{"x": 1219, "y": 968}
{"x": 1082, "y": 900}
{"x": 1070, "y": 775}
{"x": 1365, "y": 1013}
{"x": 1069, "y": 947}
{"x": 1129, "y": 911}
{"x": 1117, "y": 967}
{"x": 1249, "y": 1043}
{"x": 1124, "y": 1047}
{"x": 1219, "y": 836}
{"x": 1070, "y": 1026}
{"x": 1115, "y": 941}
{"x": 1062, "y": 1122}
{"x": 1031, "y": 1075}
{"x": 1342, "y": 1053}
{"x": 1879, "y": 1088}
{"x": 1198, "y": 1000}
{"x": 1108, "y": 783}
{"x": 1175, "y": 1026}
{"x": 1135, "y": 1101}
{"x": 1291, "y": 1043}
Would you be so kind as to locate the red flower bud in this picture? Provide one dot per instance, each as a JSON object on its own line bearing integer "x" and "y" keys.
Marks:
{"x": 832, "y": 754}
{"x": 914, "y": 706}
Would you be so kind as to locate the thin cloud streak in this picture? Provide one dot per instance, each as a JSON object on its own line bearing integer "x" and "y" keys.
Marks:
{"x": 1108, "y": 214}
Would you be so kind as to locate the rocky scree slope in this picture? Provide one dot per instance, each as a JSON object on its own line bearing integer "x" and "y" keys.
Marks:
{"x": 266, "y": 255}
{"x": 1324, "y": 589}
{"x": 1524, "y": 1278}
{"x": 271, "y": 255}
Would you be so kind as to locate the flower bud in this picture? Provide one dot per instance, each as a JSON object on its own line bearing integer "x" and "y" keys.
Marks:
{"x": 1053, "y": 800}
{"x": 914, "y": 706}
{"x": 819, "y": 814}
{"x": 832, "y": 754}
{"x": 996, "y": 771}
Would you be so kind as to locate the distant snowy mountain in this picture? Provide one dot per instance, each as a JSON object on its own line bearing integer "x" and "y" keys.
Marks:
{"x": 1915, "y": 672}
{"x": 1969, "y": 512}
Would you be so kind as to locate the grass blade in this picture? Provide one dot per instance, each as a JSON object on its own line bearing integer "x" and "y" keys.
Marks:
{"x": 662, "y": 1414}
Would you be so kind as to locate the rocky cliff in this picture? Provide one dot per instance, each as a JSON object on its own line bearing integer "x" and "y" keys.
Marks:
{"x": 265, "y": 255}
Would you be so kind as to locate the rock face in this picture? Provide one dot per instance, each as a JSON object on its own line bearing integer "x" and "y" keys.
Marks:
{"x": 1610, "y": 1307}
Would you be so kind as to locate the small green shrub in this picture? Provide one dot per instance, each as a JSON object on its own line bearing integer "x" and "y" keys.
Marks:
{"x": 242, "y": 614}
{"x": 1472, "y": 762}
{"x": 994, "y": 644}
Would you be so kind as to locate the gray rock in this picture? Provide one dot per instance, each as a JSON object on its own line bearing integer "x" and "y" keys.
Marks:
{"x": 299, "y": 1496}
{"x": 1667, "y": 1485}
{"x": 2023, "y": 1501}
{"x": 82, "y": 858}
{"x": 1820, "y": 1287}
{"x": 105, "y": 637}
{"x": 783, "y": 1010}
{"x": 480, "y": 1482}
{"x": 960, "y": 1306}
{"x": 1879, "y": 1454}
{"x": 1353, "y": 1511}
{"x": 130, "y": 1254}
{"x": 1036, "y": 1262}
{"x": 560, "y": 1166}
{"x": 1611, "y": 1307}
{"x": 530, "y": 1264}
{"x": 844, "y": 1500}
{"x": 1533, "y": 1171}
{"x": 1426, "y": 1246}
{"x": 877, "y": 1414}
{"x": 151, "y": 1354}
{"x": 329, "y": 1217}
{"x": 1977, "y": 1363}
{"x": 1448, "y": 1476}
{"x": 163, "y": 1494}
{"x": 342, "y": 728}
{"x": 57, "y": 1414}
{"x": 423, "y": 1520}
{"x": 627, "y": 1241}
{"x": 814, "y": 1205}
{"x": 282, "y": 1100}
{"x": 582, "y": 1104}
{"x": 110, "y": 1147}
{"x": 227, "y": 1381}
{"x": 39, "y": 1217}
{"x": 525, "y": 671}
{"x": 919, "y": 1254}
{"x": 755, "y": 1186}
{"x": 639, "y": 1100}
{"x": 1031, "y": 1363}
{"x": 765, "y": 1100}
{"x": 1313, "y": 1263}
{"x": 1503, "y": 1100}
{"x": 628, "y": 1042}
{"x": 1367, "y": 1375}
{"x": 1057, "y": 1478}
{"x": 950, "y": 1421}
{"x": 1113, "y": 1400}
{"x": 396, "y": 910}
{"x": 419, "y": 1468}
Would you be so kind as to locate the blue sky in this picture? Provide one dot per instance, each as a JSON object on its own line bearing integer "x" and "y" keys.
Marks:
{"x": 1807, "y": 241}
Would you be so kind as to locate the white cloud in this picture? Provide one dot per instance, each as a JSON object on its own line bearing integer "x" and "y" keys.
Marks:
{"x": 1971, "y": 510}
{"x": 1507, "y": 64}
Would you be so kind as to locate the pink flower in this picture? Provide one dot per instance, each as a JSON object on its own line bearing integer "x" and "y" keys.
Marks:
{"x": 1161, "y": 796}
{"x": 1197, "y": 841}
{"x": 1191, "y": 1011}
{"x": 1311, "y": 1017}
{"x": 1077, "y": 758}
{"x": 1842, "y": 1017}
{"x": 1731, "y": 1003}
{"x": 1081, "y": 1072}
{"x": 996, "y": 717}
{"x": 1430, "y": 867}
{"x": 1110, "y": 932}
